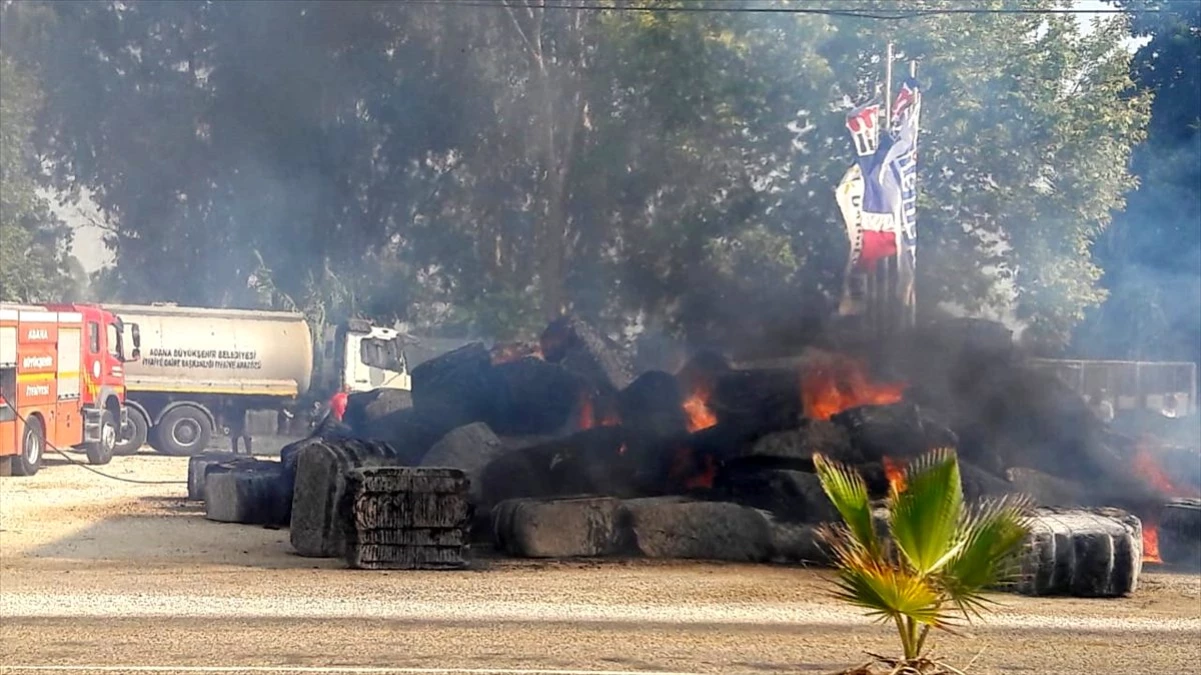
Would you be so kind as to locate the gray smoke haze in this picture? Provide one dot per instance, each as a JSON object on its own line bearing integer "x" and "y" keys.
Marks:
{"x": 480, "y": 168}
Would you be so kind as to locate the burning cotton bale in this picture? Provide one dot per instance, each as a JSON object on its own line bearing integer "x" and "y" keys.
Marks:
{"x": 697, "y": 383}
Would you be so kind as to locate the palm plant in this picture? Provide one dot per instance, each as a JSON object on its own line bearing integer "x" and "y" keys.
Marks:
{"x": 939, "y": 558}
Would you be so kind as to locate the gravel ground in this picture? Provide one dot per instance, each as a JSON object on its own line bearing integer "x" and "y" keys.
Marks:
{"x": 94, "y": 572}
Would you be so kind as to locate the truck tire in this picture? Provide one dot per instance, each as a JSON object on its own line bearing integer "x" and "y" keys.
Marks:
{"x": 133, "y": 435}
{"x": 182, "y": 431}
{"x": 101, "y": 452}
{"x": 33, "y": 447}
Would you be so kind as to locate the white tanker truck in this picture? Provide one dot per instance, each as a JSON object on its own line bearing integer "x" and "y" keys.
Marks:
{"x": 202, "y": 370}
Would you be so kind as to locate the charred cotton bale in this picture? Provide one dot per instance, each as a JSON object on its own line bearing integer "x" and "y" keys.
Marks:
{"x": 410, "y": 432}
{"x": 584, "y": 350}
{"x": 896, "y": 430}
{"x": 589, "y": 462}
{"x": 793, "y": 542}
{"x": 1180, "y": 533}
{"x": 319, "y": 487}
{"x": 363, "y": 408}
{"x": 671, "y": 527}
{"x": 1045, "y": 489}
{"x": 766, "y": 399}
{"x": 252, "y": 494}
{"x": 653, "y": 407}
{"x": 199, "y": 464}
{"x": 405, "y": 518}
{"x": 557, "y": 528}
{"x": 468, "y": 449}
{"x": 793, "y": 496}
{"x": 979, "y": 484}
{"x": 532, "y": 397}
{"x": 458, "y": 386}
{"x": 1094, "y": 553}
{"x": 795, "y": 447}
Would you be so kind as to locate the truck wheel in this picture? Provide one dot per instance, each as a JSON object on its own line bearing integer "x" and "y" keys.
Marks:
{"x": 101, "y": 452}
{"x": 183, "y": 431}
{"x": 133, "y": 435}
{"x": 33, "y": 446}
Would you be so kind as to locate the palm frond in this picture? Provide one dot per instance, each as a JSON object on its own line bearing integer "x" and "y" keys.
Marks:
{"x": 887, "y": 592}
{"x": 847, "y": 491}
{"x": 992, "y": 535}
{"x": 924, "y": 519}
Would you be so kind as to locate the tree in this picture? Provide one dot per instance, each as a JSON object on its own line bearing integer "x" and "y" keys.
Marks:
{"x": 32, "y": 240}
{"x": 1152, "y": 254}
{"x": 941, "y": 554}
{"x": 360, "y": 158}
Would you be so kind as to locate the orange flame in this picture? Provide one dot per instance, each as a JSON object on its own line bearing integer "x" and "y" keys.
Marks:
{"x": 696, "y": 407}
{"x": 685, "y": 472}
{"x": 839, "y": 383}
{"x": 588, "y": 417}
{"x": 1151, "y": 542}
{"x": 895, "y": 471}
{"x": 1146, "y": 466}
{"x": 705, "y": 478}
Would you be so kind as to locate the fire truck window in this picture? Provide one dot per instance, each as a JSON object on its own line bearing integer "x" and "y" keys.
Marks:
{"x": 114, "y": 340}
{"x": 94, "y": 337}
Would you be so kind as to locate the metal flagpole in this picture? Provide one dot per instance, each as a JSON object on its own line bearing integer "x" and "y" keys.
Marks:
{"x": 883, "y": 272}
{"x": 911, "y": 282}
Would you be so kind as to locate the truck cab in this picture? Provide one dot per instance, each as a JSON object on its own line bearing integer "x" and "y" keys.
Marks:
{"x": 359, "y": 356}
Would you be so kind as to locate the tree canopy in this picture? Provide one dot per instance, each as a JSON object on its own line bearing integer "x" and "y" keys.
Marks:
{"x": 482, "y": 168}
{"x": 32, "y": 242}
{"x": 1152, "y": 254}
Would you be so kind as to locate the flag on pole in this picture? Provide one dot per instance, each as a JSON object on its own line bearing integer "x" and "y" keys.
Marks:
{"x": 878, "y": 194}
{"x": 877, "y": 211}
{"x": 849, "y": 195}
{"x": 901, "y": 179}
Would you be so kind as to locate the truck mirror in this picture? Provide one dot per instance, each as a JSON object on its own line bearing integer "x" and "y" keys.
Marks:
{"x": 136, "y": 334}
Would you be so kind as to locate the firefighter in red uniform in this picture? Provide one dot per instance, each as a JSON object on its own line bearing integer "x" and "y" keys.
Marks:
{"x": 337, "y": 405}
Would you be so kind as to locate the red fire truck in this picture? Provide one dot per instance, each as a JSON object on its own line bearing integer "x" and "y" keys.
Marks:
{"x": 62, "y": 382}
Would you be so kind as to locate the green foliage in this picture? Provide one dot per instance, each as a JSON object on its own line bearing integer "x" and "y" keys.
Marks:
{"x": 1152, "y": 254}
{"x": 680, "y": 165}
{"x": 941, "y": 555}
{"x": 32, "y": 264}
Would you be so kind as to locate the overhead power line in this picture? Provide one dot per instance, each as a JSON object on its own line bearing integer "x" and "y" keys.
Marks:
{"x": 710, "y": 7}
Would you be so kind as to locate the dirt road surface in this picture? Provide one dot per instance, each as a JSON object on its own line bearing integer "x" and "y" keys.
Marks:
{"x": 98, "y": 576}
